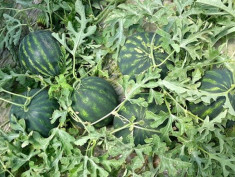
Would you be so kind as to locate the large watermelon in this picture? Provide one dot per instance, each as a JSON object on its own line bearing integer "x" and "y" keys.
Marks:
{"x": 38, "y": 113}
{"x": 214, "y": 81}
{"x": 135, "y": 55}
{"x": 133, "y": 110}
{"x": 94, "y": 99}
{"x": 40, "y": 53}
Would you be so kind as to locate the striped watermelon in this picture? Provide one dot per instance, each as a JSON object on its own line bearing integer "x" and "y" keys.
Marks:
{"x": 39, "y": 112}
{"x": 214, "y": 81}
{"x": 133, "y": 110}
{"x": 40, "y": 53}
{"x": 94, "y": 99}
{"x": 135, "y": 55}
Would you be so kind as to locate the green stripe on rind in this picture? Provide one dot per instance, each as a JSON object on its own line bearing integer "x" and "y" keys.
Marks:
{"x": 133, "y": 110}
{"x": 217, "y": 81}
{"x": 211, "y": 110}
{"x": 47, "y": 56}
{"x": 94, "y": 99}
{"x": 137, "y": 50}
{"x": 231, "y": 97}
{"x": 43, "y": 58}
{"x": 53, "y": 52}
{"x": 33, "y": 66}
{"x": 37, "y": 117}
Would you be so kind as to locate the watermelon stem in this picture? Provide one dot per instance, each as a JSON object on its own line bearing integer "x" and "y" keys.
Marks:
{"x": 151, "y": 49}
{"x": 104, "y": 13}
{"x": 165, "y": 59}
{"x": 5, "y": 168}
{"x": 20, "y": 105}
{"x": 11, "y": 93}
{"x": 121, "y": 128}
{"x": 28, "y": 99}
{"x": 77, "y": 118}
{"x": 90, "y": 147}
{"x": 147, "y": 129}
{"x": 113, "y": 112}
{"x": 185, "y": 110}
{"x": 128, "y": 96}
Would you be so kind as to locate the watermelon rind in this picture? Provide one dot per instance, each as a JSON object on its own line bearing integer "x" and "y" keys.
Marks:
{"x": 94, "y": 99}
{"x": 135, "y": 56}
{"x": 129, "y": 111}
{"x": 40, "y": 53}
{"x": 38, "y": 113}
{"x": 214, "y": 81}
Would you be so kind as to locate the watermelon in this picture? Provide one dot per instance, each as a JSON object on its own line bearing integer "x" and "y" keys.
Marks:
{"x": 230, "y": 128}
{"x": 94, "y": 99}
{"x": 214, "y": 81}
{"x": 135, "y": 55}
{"x": 139, "y": 112}
{"x": 38, "y": 113}
{"x": 40, "y": 53}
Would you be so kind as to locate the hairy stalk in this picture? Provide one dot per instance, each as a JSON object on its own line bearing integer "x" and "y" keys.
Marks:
{"x": 16, "y": 104}
{"x": 77, "y": 118}
{"x": 5, "y": 168}
{"x": 128, "y": 96}
{"x": 121, "y": 128}
{"x": 147, "y": 129}
{"x": 165, "y": 59}
{"x": 151, "y": 49}
{"x": 28, "y": 100}
{"x": 104, "y": 13}
{"x": 185, "y": 110}
{"x": 11, "y": 93}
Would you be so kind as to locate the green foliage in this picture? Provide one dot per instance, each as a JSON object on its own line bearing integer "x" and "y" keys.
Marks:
{"x": 91, "y": 34}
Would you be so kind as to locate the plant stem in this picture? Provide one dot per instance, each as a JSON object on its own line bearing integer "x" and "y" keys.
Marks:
{"x": 89, "y": 2}
{"x": 5, "y": 168}
{"x": 121, "y": 128}
{"x": 38, "y": 92}
{"x": 16, "y": 104}
{"x": 6, "y": 122}
{"x": 165, "y": 59}
{"x": 146, "y": 129}
{"x": 204, "y": 151}
{"x": 11, "y": 93}
{"x": 151, "y": 49}
{"x": 104, "y": 13}
{"x": 185, "y": 111}
{"x": 128, "y": 96}
{"x": 74, "y": 63}
{"x": 76, "y": 118}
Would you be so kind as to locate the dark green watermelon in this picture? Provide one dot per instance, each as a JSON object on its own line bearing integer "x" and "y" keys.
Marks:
{"x": 40, "y": 53}
{"x": 230, "y": 128}
{"x": 135, "y": 55}
{"x": 39, "y": 112}
{"x": 133, "y": 110}
{"x": 94, "y": 99}
{"x": 214, "y": 81}
{"x": 212, "y": 110}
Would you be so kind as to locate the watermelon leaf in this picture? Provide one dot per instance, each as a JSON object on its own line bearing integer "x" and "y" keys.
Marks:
{"x": 77, "y": 36}
{"x": 219, "y": 4}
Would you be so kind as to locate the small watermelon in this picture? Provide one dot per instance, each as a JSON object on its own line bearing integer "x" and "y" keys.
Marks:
{"x": 214, "y": 81}
{"x": 135, "y": 55}
{"x": 139, "y": 112}
{"x": 38, "y": 113}
{"x": 40, "y": 53}
{"x": 94, "y": 99}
